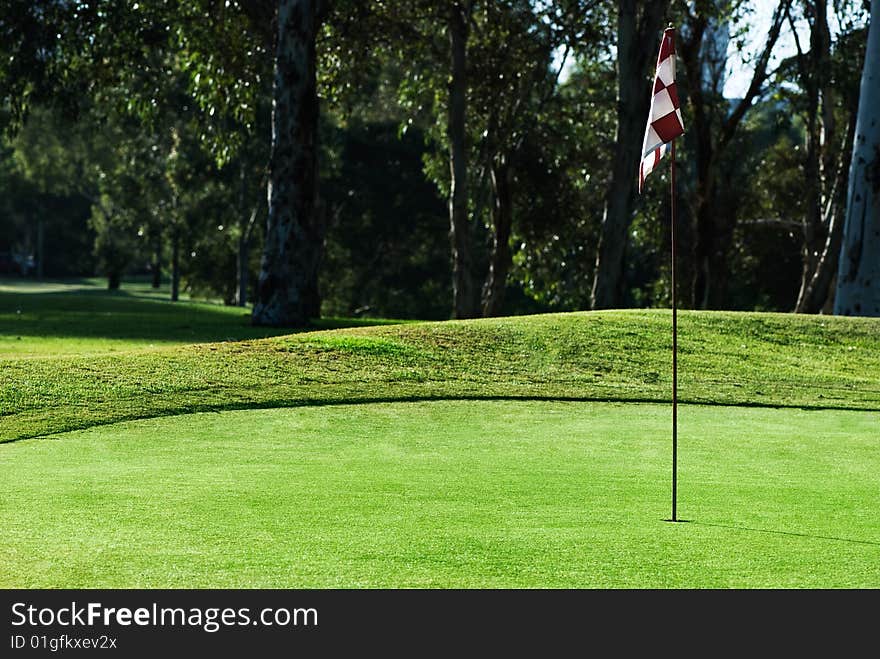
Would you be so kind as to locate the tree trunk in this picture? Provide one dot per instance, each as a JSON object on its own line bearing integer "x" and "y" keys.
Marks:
{"x": 41, "y": 256}
{"x": 633, "y": 102}
{"x": 114, "y": 279}
{"x": 815, "y": 293}
{"x": 813, "y": 72}
{"x": 175, "y": 265}
{"x": 813, "y": 230}
{"x": 500, "y": 258}
{"x": 157, "y": 264}
{"x": 241, "y": 262}
{"x": 819, "y": 290}
{"x": 244, "y": 251}
{"x": 287, "y": 291}
{"x": 703, "y": 230}
{"x": 858, "y": 276}
{"x": 464, "y": 289}
{"x": 709, "y": 250}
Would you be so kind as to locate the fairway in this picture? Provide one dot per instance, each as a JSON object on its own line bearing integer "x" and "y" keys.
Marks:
{"x": 81, "y": 317}
{"x": 448, "y": 494}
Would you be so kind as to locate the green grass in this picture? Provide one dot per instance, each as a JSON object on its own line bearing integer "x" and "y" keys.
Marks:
{"x": 78, "y": 317}
{"x": 725, "y": 358}
{"x": 522, "y": 452}
{"x": 449, "y": 494}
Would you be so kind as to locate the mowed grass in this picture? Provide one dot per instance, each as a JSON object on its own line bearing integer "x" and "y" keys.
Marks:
{"x": 443, "y": 494}
{"x": 725, "y": 358}
{"x": 79, "y": 317}
{"x": 510, "y": 452}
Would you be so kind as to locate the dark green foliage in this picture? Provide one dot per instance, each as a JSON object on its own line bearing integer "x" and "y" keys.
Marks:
{"x": 45, "y": 206}
{"x": 387, "y": 245}
{"x": 140, "y": 122}
{"x": 561, "y": 179}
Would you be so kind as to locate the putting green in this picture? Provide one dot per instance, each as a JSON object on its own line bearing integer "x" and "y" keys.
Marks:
{"x": 448, "y": 494}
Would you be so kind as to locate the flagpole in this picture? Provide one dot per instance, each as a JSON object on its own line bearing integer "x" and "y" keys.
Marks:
{"x": 664, "y": 125}
{"x": 674, "y": 338}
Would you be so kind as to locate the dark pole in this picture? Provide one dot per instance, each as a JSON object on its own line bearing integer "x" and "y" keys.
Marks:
{"x": 674, "y": 339}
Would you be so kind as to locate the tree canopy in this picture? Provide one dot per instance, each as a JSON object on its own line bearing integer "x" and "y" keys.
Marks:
{"x": 432, "y": 159}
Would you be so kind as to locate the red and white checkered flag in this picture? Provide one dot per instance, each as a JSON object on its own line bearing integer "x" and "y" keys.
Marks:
{"x": 664, "y": 120}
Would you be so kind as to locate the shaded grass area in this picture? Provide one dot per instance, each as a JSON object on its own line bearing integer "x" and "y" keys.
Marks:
{"x": 725, "y": 358}
{"x": 448, "y": 494}
{"x": 79, "y": 317}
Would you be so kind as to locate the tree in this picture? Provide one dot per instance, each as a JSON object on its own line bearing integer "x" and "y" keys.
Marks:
{"x": 638, "y": 24}
{"x": 387, "y": 248}
{"x": 387, "y": 251}
{"x": 464, "y": 289}
{"x": 559, "y": 186}
{"x": 514, "y": 83}
{"x": 287, "y": 292}
{"x": 53, "y": 161}
{"x": 66, "y": 51}
{"x": 160, "y": 171}
{"x": 713, "y": 125}
{"x": 829, "y": 99}
{"x": 858, "y": 278}
{"x": 762, "y": 185}
{"x": 432, "y": 41}
{"x": 478, "y": 75}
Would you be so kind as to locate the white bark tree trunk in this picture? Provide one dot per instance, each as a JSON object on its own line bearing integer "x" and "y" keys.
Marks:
{"x": 858, "y": 275}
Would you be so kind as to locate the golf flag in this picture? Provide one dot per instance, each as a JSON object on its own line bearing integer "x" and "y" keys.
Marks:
{"x": 664, "y": 119}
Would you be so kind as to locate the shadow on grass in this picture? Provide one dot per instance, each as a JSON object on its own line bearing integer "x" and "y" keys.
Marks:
{"x": 789, "y": 533}
{"x": 120, "y": 315}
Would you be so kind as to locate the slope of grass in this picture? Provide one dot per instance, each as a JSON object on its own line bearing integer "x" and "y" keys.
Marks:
{"x": 725, "y": 358}
{"x": 417, "y": 485}
{"x": 448, "y": 494}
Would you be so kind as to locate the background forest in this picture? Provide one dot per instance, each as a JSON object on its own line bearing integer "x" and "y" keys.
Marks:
{"x": 472, "y": 158}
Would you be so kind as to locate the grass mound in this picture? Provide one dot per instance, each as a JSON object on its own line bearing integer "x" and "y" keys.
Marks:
{"x": 725, "y": 358}
{"x": 558, "y": 482}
